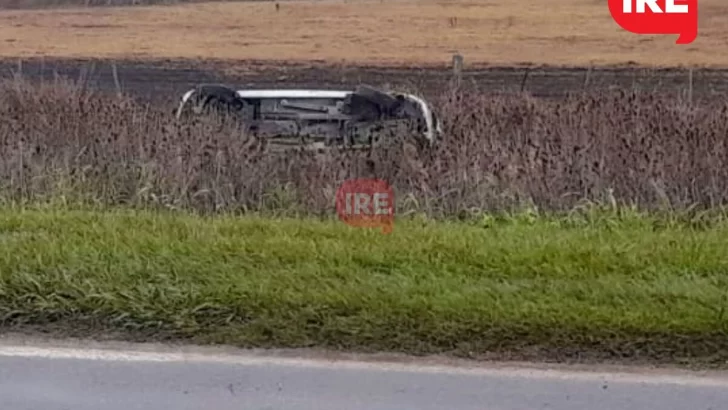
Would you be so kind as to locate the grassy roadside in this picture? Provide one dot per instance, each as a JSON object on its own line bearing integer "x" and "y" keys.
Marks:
{"x": 605, "y": 288}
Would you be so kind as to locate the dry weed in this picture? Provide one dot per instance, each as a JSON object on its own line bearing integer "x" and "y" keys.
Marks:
{"x": 61, "y": 141}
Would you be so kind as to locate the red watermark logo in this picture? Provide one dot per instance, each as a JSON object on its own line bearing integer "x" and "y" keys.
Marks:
{"x": 658, "y": 17}
{"x": 366, "y": 203}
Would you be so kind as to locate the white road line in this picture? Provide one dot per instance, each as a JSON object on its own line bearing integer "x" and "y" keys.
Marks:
{"x": 255, "y": 360}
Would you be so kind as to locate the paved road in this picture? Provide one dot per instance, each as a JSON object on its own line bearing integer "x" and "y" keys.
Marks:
{"x": 67, "y": 378}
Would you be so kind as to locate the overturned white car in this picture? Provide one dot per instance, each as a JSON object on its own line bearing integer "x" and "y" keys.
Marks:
{"x": 317, "y": 118}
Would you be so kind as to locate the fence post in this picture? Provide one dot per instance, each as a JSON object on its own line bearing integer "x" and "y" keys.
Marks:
{"x": 116, "y": 79}
{"x": 690, "y": 85}
{"x": 587, "y": 77}
{"x": 457, "y": 68}
{"x": 524, "y": 80}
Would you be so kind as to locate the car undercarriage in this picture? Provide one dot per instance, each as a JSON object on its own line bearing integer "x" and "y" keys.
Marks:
{"x": 318, "y": 118}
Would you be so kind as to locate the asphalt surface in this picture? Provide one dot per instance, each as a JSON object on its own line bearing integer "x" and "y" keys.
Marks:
{"x": 52, "y": 378}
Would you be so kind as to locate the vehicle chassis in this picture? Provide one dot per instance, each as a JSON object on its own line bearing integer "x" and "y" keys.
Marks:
{"x": 318, "y": 118}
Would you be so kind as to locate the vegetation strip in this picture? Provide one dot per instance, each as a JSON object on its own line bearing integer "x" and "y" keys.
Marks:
{"x": 603, "y": 286}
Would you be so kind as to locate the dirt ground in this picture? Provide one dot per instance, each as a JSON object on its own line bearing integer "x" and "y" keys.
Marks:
{"x": 169, "y": 79}
{"x": 508, "y": 46}
{"x": 412, "y": 33}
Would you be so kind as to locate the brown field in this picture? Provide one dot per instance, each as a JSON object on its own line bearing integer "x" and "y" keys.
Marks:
{"x": 425, "y": 32}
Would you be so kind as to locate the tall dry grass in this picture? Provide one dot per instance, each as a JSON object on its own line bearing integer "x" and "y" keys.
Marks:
{"x": 63, "y": 142}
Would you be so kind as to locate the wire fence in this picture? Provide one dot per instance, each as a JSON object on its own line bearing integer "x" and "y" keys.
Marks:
{"x": 688, "y": 83}
{"x": 171, "y": 78}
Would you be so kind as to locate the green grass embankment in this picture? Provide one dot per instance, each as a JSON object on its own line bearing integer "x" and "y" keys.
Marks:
{"x": 540, "y": 288}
